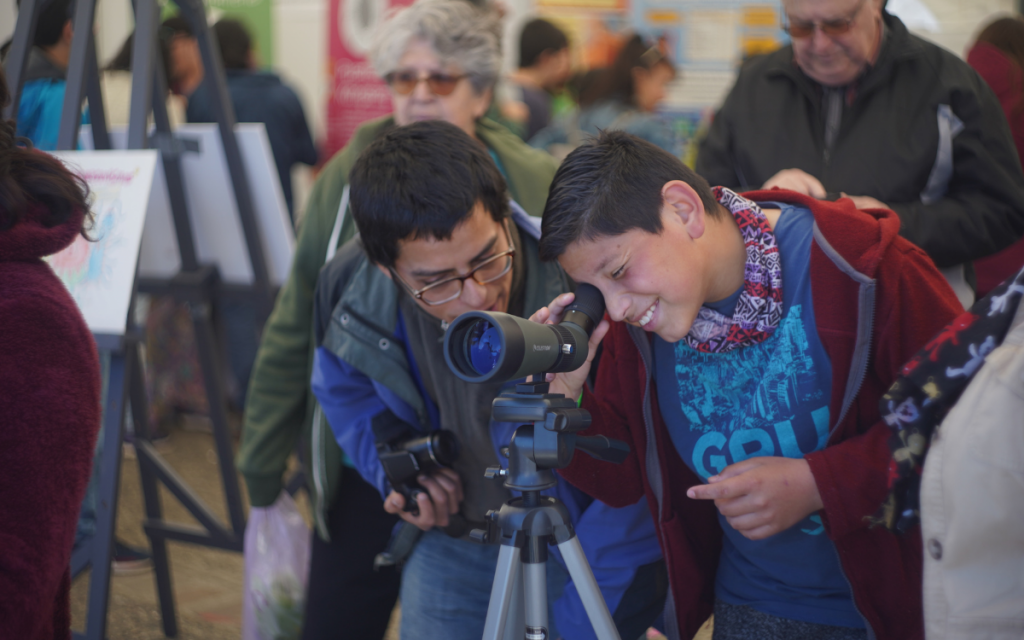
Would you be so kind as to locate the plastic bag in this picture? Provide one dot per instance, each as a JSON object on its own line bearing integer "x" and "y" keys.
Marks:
{"x": 277, "y": 543}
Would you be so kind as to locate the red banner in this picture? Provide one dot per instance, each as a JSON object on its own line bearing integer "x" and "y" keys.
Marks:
{"x": 357, "y": 94}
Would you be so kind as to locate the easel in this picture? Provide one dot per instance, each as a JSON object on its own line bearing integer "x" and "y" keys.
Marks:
{"x": 197, "y": 285}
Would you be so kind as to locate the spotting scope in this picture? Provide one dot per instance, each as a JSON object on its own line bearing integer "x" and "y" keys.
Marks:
{"x": 487, "y": 345}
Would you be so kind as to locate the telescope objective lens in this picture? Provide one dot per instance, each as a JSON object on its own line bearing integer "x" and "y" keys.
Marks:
{"x": 484, "y": 346}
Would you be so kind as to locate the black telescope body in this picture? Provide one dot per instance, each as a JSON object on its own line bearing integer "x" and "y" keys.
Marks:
{"x": 482, "y": 345}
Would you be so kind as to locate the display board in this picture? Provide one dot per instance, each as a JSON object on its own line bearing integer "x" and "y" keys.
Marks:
{"x": 216, "y": 225}
{"x": 100, "y": 271}
{"x": 356, "y": 93}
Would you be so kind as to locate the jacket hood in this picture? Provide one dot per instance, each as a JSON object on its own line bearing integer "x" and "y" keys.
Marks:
{"x": 30, "y": 239}
{"x": 860, "y": 236}
{"x": 42, "y": 68}
{"x": 997, "y": 69}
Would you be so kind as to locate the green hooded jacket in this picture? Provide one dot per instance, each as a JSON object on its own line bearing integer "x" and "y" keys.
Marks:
{"x": 280, "y": 409}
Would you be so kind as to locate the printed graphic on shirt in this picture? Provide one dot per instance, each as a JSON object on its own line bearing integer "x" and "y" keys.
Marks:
{"x": 763, "y": 400}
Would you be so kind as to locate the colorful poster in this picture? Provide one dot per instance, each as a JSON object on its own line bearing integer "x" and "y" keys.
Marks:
{"x": 356, "y": 94}
{"x": 706, "y": 40}
{"x": 100, "y": 272}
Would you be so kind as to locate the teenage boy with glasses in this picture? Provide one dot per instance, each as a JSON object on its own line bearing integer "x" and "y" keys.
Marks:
{"x": 440, "y": 237}
{"x": 857, "y": 105}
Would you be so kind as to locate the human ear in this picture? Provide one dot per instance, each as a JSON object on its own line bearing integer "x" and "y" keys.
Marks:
{"x": 385, "y": 271}
{"x": 483, "y": 103}
{"x": 683, "y": 201}
{"x": 639, "y": 75}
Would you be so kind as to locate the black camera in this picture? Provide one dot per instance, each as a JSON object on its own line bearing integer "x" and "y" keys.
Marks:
{"x": 486, "y": 345}
{"x": 405, "y": 459}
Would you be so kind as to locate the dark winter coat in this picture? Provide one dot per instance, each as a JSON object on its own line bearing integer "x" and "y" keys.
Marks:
{"x": 49, "y": 418}
{"x": 920, "y": 131}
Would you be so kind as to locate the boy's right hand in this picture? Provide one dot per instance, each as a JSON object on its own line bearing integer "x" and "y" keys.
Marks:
{"x": 445, "y": 495}
{"x": 570, "y": 383}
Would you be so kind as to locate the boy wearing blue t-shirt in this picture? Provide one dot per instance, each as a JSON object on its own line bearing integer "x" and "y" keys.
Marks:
{"x": 750, "y": 341}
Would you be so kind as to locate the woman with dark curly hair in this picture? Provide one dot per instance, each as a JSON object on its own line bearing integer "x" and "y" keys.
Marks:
{"x": 49, "y": 389}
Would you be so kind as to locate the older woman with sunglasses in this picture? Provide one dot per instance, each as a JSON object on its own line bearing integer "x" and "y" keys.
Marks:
{"x": 440, "y": 59}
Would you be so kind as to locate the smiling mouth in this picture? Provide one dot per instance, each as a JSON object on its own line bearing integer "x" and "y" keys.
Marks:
{"x": 647, "y": 316}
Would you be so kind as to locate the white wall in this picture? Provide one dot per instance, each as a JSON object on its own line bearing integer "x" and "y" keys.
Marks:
{"x": 7, "y": 17}
{"x": 960, "y": 20}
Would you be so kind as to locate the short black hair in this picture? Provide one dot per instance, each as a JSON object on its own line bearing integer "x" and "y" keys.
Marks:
{"x": 176, "y": 25}
{"x": 610, "y": 185}
{"x": 234, "y": 42}
{"x": 421, "y": 181}
{"x": 52, "y": 18}
{"x": 538, "y": 36}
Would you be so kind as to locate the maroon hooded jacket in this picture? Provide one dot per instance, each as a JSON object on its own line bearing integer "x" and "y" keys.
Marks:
{"x": 49, "y": 417}
{"x": 877, "y": 300}
{"x": 1007, "y": 81}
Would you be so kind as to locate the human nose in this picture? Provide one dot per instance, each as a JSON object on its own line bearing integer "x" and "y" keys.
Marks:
{"x": 473, "y": 293}
{"x": 616, "y": 305}
{"x": 421, "y": 90}
{"x": 819, "y": 40}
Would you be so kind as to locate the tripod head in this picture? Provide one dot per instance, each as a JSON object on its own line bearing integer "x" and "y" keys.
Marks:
{"x": 549, "y": 439}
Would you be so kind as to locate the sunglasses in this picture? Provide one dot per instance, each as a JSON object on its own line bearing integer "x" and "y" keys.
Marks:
{"x": 831, "y": 28}
{"x": 404, "y": 82}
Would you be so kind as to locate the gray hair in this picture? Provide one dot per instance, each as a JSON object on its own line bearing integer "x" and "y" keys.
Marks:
{"x": 460, "y": 34}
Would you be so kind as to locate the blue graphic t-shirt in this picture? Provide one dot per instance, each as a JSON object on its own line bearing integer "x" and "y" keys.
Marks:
{"x": 768, "y": 399}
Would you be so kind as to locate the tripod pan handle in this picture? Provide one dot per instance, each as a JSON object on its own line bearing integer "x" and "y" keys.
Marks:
{"x": 603, "y": 448}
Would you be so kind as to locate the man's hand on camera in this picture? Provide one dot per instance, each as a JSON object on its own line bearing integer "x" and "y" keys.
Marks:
{"x": 445, "y": 496}
{"x": 570, "y": 383}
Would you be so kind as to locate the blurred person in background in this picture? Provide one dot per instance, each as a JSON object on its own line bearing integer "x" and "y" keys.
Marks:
{"x": 440, "y": 60}
{"x": 42, "y": 93}
{"x": 545, "y": 63}
{"x": 50, "y": 404}
{"x": 116, "y": 81}
{"x": 857, "y": 105}
{"x": 998, "y": 56}
{"x": 186, "y": 63}
{"x": 258, "y": 96}
{"x": 623, "y": 97}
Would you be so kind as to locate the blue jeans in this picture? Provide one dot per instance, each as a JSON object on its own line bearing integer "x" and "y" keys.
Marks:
{"x": 446, "y": 587}
{"x": 86, "y": 528}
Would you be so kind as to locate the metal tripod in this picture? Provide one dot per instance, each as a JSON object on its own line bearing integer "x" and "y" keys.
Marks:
{"x": 526, "y": 525}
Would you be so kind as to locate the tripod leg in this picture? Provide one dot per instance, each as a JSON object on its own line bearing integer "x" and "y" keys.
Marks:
{"x": 583, "y": 578}
{"x": 535, "y": 587}
{"x": 515, "y": 620}
{"x": 505, "y": 574}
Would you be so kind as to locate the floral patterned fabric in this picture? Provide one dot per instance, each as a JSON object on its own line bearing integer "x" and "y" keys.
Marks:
{"x": 928, "y": 387}
{"x": 759, "y": 308}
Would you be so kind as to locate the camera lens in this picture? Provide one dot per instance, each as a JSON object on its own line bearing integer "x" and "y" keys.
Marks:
{"x": 444, "y": 448}
{"x": 484, "y": 346}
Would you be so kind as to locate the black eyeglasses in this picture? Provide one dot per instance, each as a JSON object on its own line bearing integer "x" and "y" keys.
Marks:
{"x": 404, "y": 82}
{"x": 831, "y": 28}
{"x": 449, "y": 289}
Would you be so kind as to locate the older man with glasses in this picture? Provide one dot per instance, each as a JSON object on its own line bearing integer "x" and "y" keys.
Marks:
{"x": 856, "y": 105}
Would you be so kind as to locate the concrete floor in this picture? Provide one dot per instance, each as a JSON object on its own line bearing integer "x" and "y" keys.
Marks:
{"x": 207, "y": 583}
